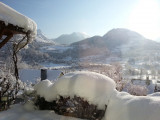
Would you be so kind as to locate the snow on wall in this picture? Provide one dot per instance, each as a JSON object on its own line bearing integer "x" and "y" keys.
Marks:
{"x": 94, "y": 87}
{"x": 123, "y": 106}
{"x": 9, "y": 15}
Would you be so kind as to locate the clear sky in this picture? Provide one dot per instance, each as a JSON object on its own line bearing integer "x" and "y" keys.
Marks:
{"x": 94, "y": 17}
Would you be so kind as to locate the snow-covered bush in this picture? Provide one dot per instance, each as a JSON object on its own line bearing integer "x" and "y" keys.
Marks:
{"x": 137, "y": 90}
{"x": 92, "y": 89}
{"x": 8, "y": 84}
{"x": 120, "y": 85}
{"x": 75, "y": 107}
{"x": 9, "y": 88}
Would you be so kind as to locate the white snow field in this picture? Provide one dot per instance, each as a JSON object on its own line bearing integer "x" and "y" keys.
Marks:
{"x": 9, "y": 15}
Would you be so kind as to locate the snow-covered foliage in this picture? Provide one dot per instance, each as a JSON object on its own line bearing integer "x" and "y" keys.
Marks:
{"x": 8, "y": 84}
{"x": 93, "y": 87}
{"x": 120, "y": 85}
{"x": 9, "y": 15}
{"x": 137, "y": 90}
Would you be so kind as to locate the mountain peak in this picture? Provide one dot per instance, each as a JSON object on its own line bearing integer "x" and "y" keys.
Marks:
{"x": 42, "y": 38}
{"x": 70, "y": 38}
{"x": 39, "y": 31}
{"x": 122, "y": 33}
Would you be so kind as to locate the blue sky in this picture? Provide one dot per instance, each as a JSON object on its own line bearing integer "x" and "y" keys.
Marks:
{"x": 94, "y": 17}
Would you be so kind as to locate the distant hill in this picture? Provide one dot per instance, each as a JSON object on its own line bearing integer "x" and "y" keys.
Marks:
{"x": 119, "y": 42}
{"x": 117, "y": 38}
{"x": 71, "y": 38}
{"x": 113, "y": 38}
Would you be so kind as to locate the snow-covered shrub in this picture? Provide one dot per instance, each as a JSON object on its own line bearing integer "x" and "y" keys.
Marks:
{"x": 137, "y": 90}
{"x": 120, "y": 85}
{"x": 75, "y": 107}
{"x": 92, "y": 89}
{"x": 28, "y": 93}
{"x": 9, "y": 87}
{"x": 8, "y": 84}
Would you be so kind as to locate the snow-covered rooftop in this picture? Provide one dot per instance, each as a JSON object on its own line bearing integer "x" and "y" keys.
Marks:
{"x": 11, "y": 16}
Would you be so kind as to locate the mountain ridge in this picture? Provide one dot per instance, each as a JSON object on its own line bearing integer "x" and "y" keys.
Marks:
{"x": 70, "y": 38}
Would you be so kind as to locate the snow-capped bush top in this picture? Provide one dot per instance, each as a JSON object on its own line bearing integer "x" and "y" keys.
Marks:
{"x": 93, "y": 87}
{"x": 9, "y": 15}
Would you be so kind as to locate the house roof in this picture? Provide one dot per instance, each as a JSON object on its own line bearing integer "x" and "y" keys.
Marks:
{"x": 13, "y": 22}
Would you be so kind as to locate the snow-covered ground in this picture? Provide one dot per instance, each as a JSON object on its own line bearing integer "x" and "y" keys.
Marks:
{"x": 21, "y": 112}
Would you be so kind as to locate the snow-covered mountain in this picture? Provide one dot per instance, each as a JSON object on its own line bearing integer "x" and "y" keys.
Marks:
{"x": 71, "y": 38}
{"x": 117, "y": 38}
{"x": 122, "y": 43}
{"x": 117, "y": 43}
{"x": 42, "y": 38}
